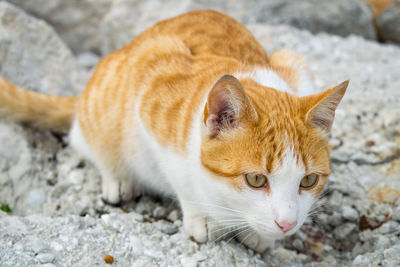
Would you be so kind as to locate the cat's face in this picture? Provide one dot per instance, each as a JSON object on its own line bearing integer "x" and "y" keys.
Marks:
{"x": 269, "y": 152}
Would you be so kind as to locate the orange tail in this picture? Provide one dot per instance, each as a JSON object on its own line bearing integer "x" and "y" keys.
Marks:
{"x": 42, "y": 111}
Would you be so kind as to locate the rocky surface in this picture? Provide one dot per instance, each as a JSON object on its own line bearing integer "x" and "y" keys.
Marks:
{"x": 33, "y": 56}
{"x": 76, "y": 21}
{"x": 127, "y": 18}
{"x": 388, "y": 23}
{"x": 86, "y": 25}
{"x": 58, "y": 218}
{"x": 341, "y": 17}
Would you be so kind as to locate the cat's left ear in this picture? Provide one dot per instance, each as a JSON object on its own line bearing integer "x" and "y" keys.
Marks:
{"x": 227, "y": 106}
{"x": 320, "y": 108}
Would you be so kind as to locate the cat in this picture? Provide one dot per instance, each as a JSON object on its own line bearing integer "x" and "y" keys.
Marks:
{"x": 194, "y": 109}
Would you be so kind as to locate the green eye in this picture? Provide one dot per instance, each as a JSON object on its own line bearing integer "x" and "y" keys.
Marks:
{"x": 256, "y": 180}
{"x": 309, "y": 181}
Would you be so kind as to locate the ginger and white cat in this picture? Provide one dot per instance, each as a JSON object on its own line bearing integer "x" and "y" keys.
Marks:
{"x": 193, "y": 108}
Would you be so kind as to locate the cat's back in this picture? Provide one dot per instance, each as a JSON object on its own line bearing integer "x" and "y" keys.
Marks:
{"x": 210, "y": 32}
{"x": 163, "y": 76}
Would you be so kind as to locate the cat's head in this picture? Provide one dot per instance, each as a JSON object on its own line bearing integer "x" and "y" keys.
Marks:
{"x": 268, "y": 153}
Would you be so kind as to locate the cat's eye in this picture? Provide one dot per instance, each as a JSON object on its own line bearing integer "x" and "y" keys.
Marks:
{"x": 256, "y": 180}
{"x": 309, "y": 181}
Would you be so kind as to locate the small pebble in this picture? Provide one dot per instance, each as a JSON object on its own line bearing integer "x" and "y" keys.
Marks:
{"x": 45, "y": 257}
{"x": 76, "y": 177}
{"x": 349, "y": 213}
{"x": 106, "y": 218}
{"x": 159, "y": 212}
{"x": 169, "y": 228}
{"x": 35, "y": 198}
{"x": 109, "y": 259}
{"x": 188, "y": 262}
{"x": 298, "y": 244}
{"x": 396, "y": 214}
{"x": 173, "y": 215}
{"x": 342, "y": 232}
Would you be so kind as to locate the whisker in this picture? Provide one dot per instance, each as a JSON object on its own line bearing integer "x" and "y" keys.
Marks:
{"x": 232, "y": 231}
{"x": 247, "y": 236}
{"x": 229, "y": 226}
{"x": 240, "y": 232}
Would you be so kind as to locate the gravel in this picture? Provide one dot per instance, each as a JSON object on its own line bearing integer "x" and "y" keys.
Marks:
{"x": 58, "y": 218}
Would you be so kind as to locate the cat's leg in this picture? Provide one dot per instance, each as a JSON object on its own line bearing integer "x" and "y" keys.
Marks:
{"x": 117, "y": 189}
{"x": 256, "y": 242}
{"x": 194, "y": 221}
{"x": 294, "y": 70}
{"x": 118, "y": 183}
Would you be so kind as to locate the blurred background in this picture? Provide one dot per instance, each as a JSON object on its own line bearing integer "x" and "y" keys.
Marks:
{"x": 101, "y": 26}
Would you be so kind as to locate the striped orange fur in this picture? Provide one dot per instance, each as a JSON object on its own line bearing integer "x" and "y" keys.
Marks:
{"x": 190, "y": 107}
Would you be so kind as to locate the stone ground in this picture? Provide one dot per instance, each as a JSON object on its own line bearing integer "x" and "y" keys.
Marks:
{"x": 58, "y": 218}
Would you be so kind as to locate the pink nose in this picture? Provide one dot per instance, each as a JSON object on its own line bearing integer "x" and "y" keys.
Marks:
{"x": 286, "y": 226}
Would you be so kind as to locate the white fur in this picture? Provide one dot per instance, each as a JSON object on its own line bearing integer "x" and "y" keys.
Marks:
{"x": 306, "y": 84}
{"x": 269, "y": 78}
{"x": 266, "y": 77}
{"x": 79, "y": 143}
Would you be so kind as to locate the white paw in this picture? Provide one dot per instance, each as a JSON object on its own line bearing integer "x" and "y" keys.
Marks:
{"x": 110, "y": 191}
{"x": 256, "y": 242}
{"x": 114, "y": 192}
{"x": 196, "y": 226}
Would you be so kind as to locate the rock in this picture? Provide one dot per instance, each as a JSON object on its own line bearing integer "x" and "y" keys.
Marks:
{"x": 361, "y": 261}
{"x": 189, "y": 262}
{"x": 174, "y": 215}
{"x": 384, "y": 194}
{"x": 388, "y": 24}
{"x": 87, "y": 59}
{"x": 33, "y": 56}
{"x": 341, "y": 17}
{"x": 349, "y": 213}
{"x": 76, "y": 21}
{"x": 127, "y": 18}
{"x": 35, "y": 199}
{"x": 39, "y": 248}
{"x": 342, "y": 232}
{"x": 383, "y": 242}
{"x": 168, "y": 228}
{"x": 392, "y": 253}
{"x": 45, "y": 257}
{"x": 159, "y": 212}
{"x": 298, "y": 244}
{"x": 106, "y": 218}
{"x": 396, "y": 214}
{"x": 76, "y": 177}
{"x": 283, "y": 256}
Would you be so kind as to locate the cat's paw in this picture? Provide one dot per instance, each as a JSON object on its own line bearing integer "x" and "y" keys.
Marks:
{"x": 256, "y": 242}
{"x": 115, "y": 192}
{"x": 195, "y": 225}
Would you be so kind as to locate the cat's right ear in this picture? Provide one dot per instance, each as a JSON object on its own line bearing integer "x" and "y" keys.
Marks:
{"x": 227, "y": 106}
{"x": 320, "y": 108}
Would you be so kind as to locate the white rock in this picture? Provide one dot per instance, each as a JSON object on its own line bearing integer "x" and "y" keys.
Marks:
{"x": 36, "y": 54}
{"x": 189, "y": 262}
{"x": 106, "y": 218}
{"x": 45, "y": 257}
{"x": 349, "y": 213}
{"x": 76, "y": 21}
{"x": 76, "y": 177}
{"x": 35, "y": 198}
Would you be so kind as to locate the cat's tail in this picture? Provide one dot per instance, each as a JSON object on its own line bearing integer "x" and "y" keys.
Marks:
{"x": 42, "y": 111}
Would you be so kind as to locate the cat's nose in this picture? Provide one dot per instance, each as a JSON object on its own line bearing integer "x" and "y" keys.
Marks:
{"x": 286, "y": 226}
